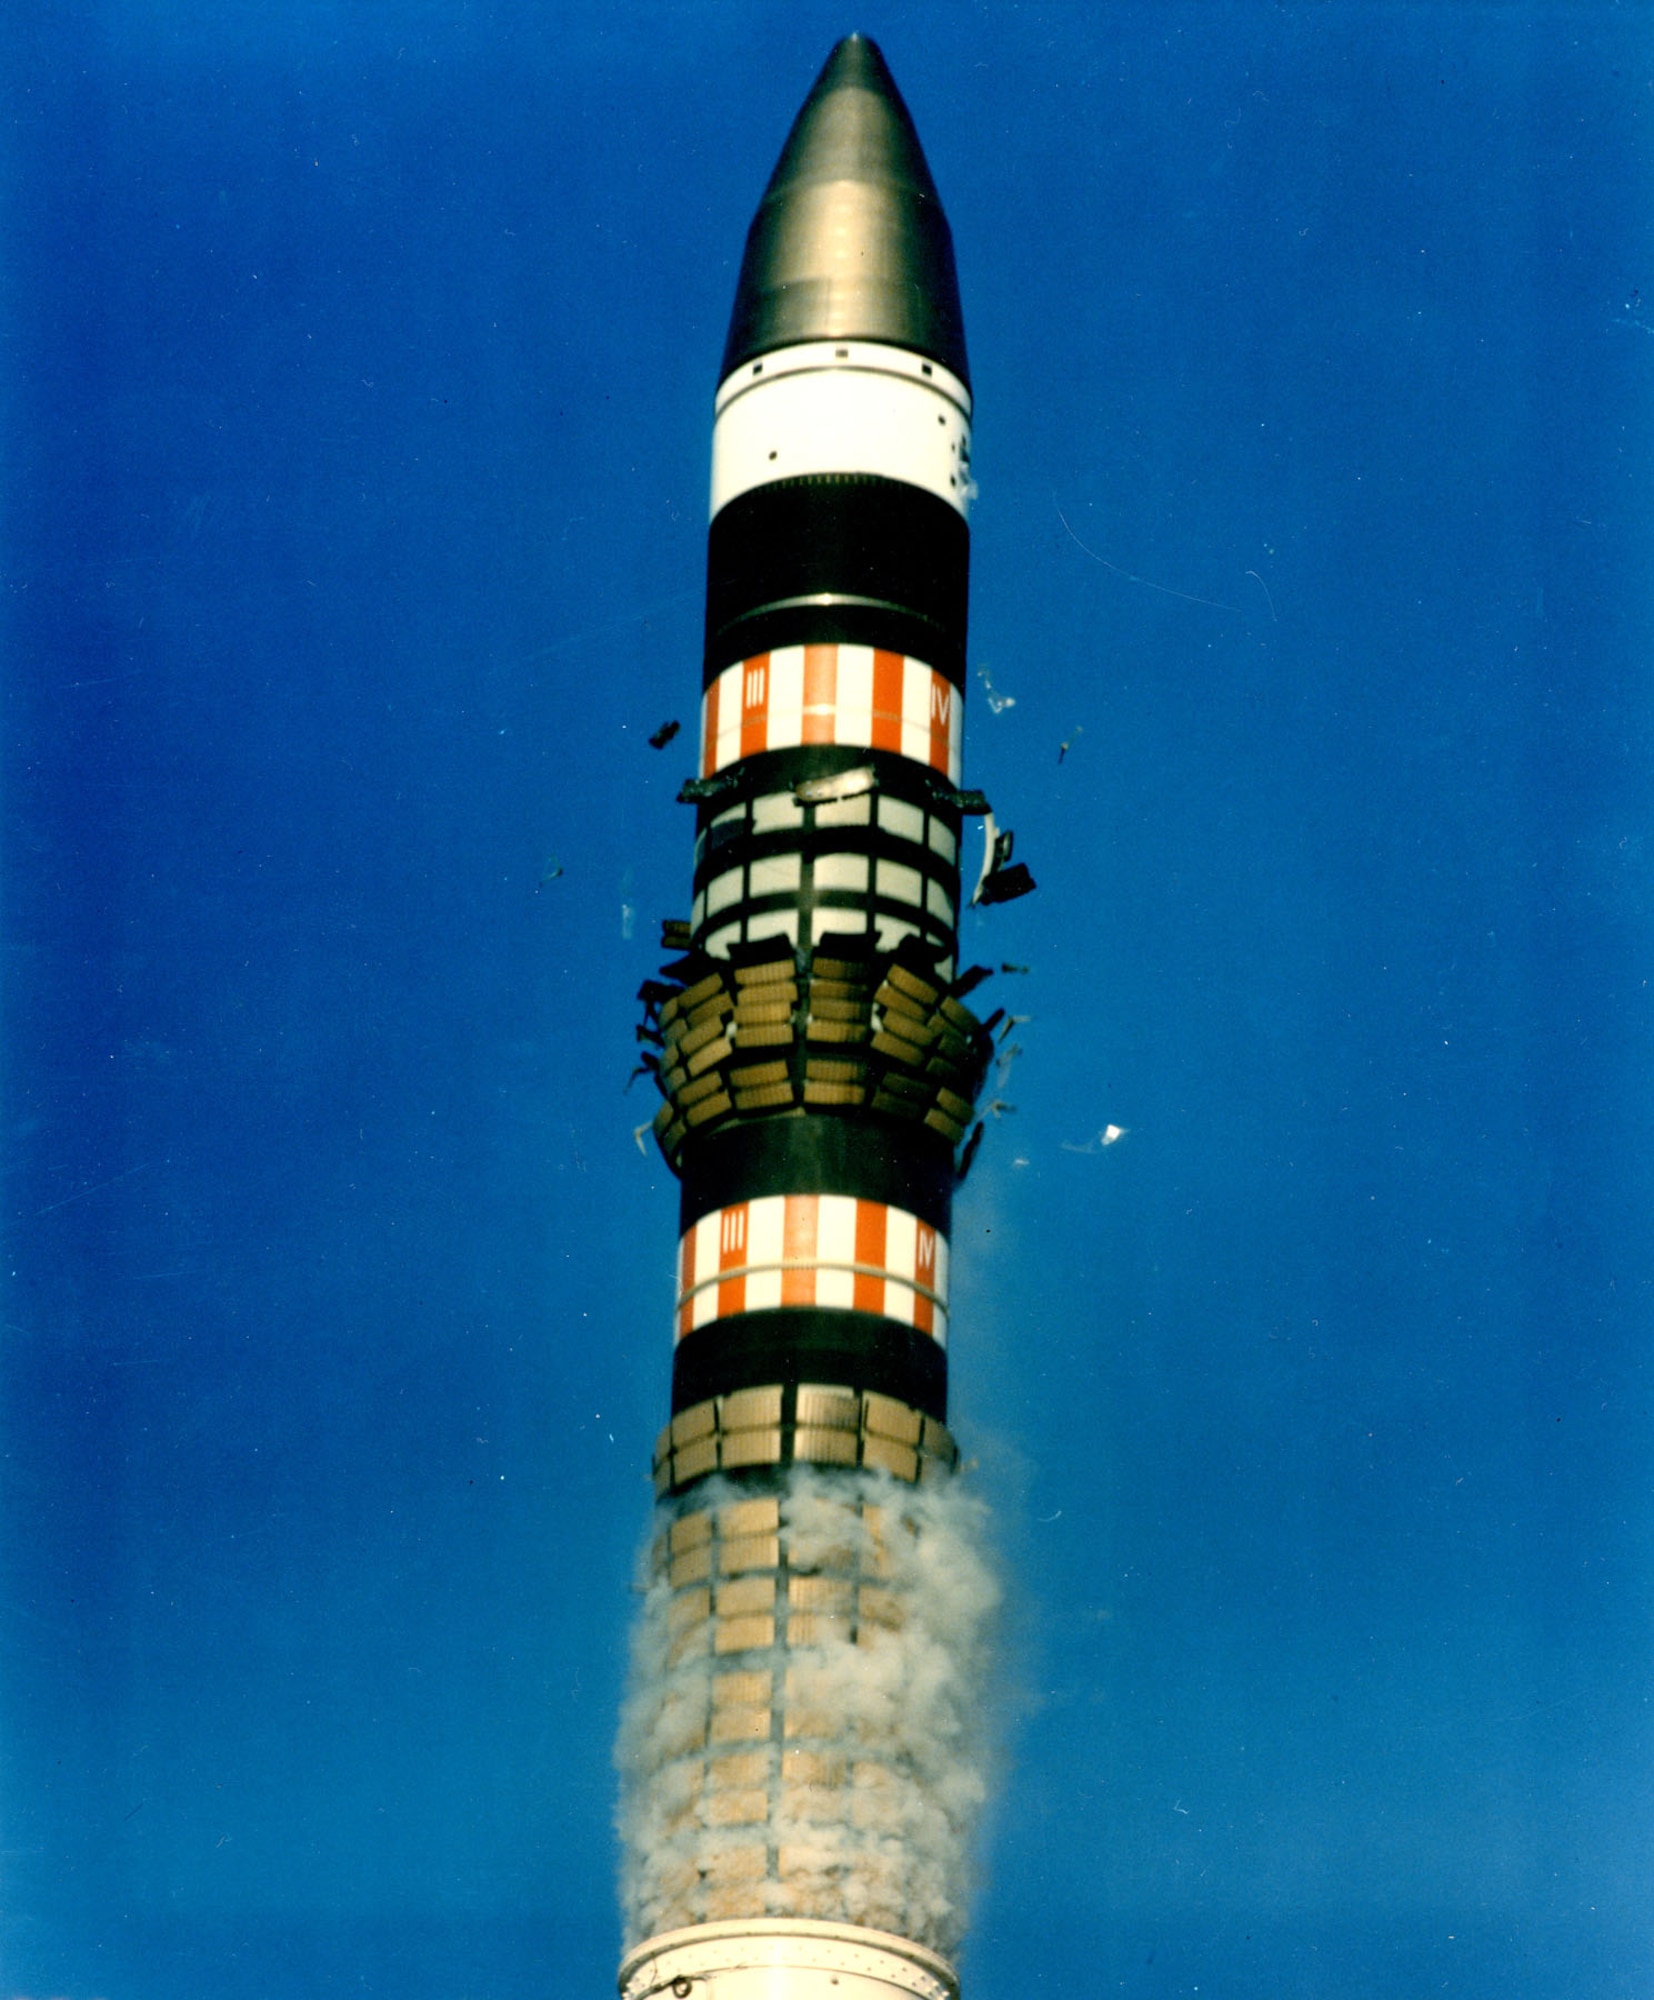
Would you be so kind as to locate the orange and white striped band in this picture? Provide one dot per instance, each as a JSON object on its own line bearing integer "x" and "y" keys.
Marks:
{"x": 822, "y": 1250}
{"x": 854, "y": 695}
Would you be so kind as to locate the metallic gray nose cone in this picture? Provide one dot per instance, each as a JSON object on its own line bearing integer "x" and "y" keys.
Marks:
{"x": 850, "y": 242}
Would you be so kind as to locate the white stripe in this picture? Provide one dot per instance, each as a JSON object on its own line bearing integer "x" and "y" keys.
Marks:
{"x": 766, "y": 1220}
{"x": 786, "y": 717}
{"x": 723, "y": 890}
{"x": 901, "y": 1245}
{"x": 836, "y": 918}
{"x": 842, "y": 871}
{"x": 898, "y": 881}
{"x": 773, "y": 875}
{"x": 835, "y": 1288}
{"x": 812, "y": 354}
{"x": 763, "y": 1290}
{"x": 853, "y": 704}
{"x": 916, "y": 683}
{"x": 852, "y": 406}
{"x": 836, "y": 1229}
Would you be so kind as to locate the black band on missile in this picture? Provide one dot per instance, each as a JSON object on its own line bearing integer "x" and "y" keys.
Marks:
{"x": 818, "y": 1153}
{"x": 771, "y": 771}
{"x": 784, "y": 770}
{"x": 823, "y": 621}
{"x": 807, "y": 1344}
{"x": 838, "y": 555}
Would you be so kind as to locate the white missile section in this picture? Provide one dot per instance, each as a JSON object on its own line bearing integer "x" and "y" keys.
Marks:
{"x": 843, "y": 406}
{"x": 779, "y": 1958}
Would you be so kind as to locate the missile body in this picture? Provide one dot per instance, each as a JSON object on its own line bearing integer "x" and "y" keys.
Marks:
{"x": 788, "y": 1833}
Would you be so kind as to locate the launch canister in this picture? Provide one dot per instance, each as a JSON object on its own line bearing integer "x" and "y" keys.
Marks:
{"x": 788, "y": 1824}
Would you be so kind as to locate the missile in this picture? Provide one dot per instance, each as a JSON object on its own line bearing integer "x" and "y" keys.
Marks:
{"x": 789, "y": 1824}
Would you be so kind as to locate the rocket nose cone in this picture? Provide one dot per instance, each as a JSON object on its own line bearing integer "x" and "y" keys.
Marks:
{"x": 850, "y": 241}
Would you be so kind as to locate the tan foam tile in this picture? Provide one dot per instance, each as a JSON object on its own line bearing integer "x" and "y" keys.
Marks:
{"x": 741, "y": 1688}
{"x": 742, "y": 1552}
{"x": 740, "y": 1725}
{"x": 741, "y": 1635}
{"x": 745, "y": 1593}
{"x": 750, "y": 1517}
{"x": 693, "y": 1566}
{"x": 820, "y": 1593}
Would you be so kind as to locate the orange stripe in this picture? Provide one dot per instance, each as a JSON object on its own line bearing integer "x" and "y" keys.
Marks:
{"x": 887, "y": 702}
{"x": 732, "y": 1237}
{"x": 732, "y": 1256}
{"x": 820, "y": 693}
{"x": 870, "y": 1234}
{"x": 941, "y": 707}
{"x": 709, "y": 728}
{"x": 798, "y": 1240}
{"x": 755, "y": 704}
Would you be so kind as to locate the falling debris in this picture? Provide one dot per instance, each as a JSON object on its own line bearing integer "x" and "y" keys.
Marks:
{"x": 549, "y": 873}
{"x": 664, "y": 735}
{"x": 1005, "y": 885}
{"x": 1110, "y": 1135}
{"x": 996, "y": 701}
{"x": 1064, "y": 747}
{"x": 637, "y": 1136}
{"x": 1000, "y": 881}
{"x": 1006, "y": 966}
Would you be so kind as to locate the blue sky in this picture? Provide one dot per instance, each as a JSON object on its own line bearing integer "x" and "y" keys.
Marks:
{"x": 357, "y": 423}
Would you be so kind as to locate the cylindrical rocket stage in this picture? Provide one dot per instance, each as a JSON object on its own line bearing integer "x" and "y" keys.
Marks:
{"x": 803, "y": 1748}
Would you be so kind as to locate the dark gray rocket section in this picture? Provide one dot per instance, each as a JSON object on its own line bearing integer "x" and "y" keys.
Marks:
{"x": 850, "y": 241}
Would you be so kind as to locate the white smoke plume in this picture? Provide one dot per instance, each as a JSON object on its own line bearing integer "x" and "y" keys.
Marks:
{"x": 829, "y": 1757}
